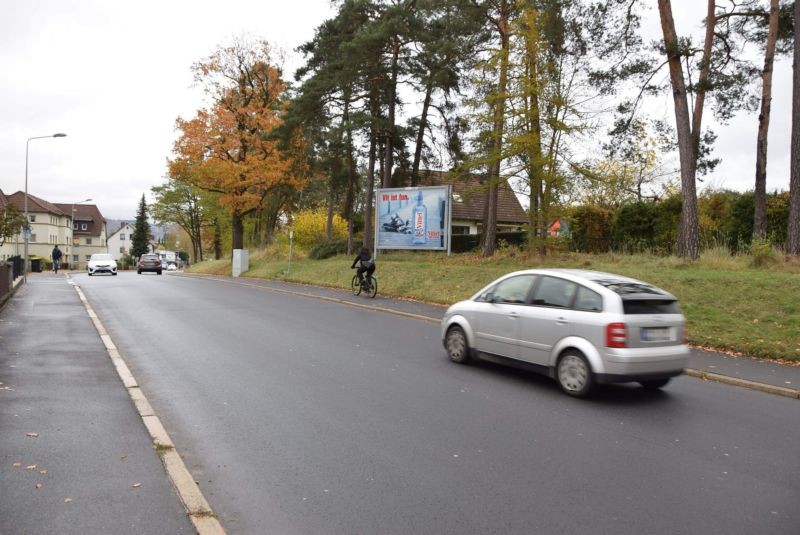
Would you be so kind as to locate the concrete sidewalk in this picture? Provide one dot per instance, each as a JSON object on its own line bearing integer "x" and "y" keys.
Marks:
{"x": 75, "y": 456}
{"x": 759, "y": 374}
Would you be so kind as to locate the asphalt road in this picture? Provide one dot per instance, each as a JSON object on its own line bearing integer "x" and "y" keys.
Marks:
{"x": 297, "y": 415}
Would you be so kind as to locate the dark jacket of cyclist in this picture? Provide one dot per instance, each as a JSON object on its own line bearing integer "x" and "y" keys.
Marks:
{"x": 367, "y": 264}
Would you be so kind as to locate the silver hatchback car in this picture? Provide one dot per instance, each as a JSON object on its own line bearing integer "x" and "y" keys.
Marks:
{"x": 579, "y": 327}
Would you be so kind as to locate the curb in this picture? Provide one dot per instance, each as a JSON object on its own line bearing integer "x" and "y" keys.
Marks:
{"x": 743, "y": 383}
{"x": 194, "y": 502}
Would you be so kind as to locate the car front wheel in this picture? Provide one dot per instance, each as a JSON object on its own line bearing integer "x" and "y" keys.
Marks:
{"x": 574, "y": 374}
{"x": 456, "y": 344}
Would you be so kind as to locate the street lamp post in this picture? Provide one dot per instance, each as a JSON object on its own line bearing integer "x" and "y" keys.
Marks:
{"x": 72, "y": 233}
{"x": 27, "y": 229}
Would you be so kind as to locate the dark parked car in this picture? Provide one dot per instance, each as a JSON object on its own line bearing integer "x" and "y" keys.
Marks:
{"x": 149, "y": 262}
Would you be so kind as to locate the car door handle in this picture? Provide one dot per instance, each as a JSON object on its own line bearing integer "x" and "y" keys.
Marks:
{"x": 561, "y": 321}
{"x": 513, "y": 314}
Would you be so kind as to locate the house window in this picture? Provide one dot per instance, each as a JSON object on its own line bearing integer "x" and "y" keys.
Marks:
{"x": 122, "y": 237}
{"x": 88, "y": 257}
{"x": 74, "y": 226}
{"x": 88, "y": 241}
{"x": 33, "y": 237}
{"x": 33, "y": 218}
{"x": 121, "y": 250}
{"x": 460, "y": 229}
{"x": 83, "y": 226}
{"x": 75, "y": 258}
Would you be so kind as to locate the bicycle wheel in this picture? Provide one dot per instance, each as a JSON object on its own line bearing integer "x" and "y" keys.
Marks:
{"x": 355, "y": 285}
{"x": 372, "y": 286}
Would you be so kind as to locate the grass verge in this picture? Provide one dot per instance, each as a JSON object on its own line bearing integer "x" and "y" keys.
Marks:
{"x": 729, "y": 304}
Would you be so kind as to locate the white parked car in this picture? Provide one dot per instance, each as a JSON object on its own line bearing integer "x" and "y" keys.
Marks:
{"x": 579, "y": 327}
{"x": 102, "y": 263}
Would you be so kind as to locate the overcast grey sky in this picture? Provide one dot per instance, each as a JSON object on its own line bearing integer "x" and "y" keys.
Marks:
{"x": 115, "y": 75}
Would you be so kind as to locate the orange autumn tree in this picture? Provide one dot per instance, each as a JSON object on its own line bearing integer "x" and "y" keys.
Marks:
{"x": 228, "y": 147}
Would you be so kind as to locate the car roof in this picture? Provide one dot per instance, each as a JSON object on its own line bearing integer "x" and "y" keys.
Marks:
{"x": 626, "y": 287}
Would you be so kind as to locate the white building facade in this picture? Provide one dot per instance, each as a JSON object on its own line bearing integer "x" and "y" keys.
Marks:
{"x": 119, "y": 242}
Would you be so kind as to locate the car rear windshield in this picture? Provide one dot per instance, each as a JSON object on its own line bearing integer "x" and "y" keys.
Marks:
{"x": 149, "y": 257}
{"x": 624, "y": 288}
{"x": 650, "y": 306}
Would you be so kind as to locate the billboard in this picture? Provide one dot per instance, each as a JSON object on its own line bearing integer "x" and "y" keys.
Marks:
{"x": 413, "y": 218}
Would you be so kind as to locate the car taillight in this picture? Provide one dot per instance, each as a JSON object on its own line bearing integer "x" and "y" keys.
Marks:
{"x": 616, "y": 335}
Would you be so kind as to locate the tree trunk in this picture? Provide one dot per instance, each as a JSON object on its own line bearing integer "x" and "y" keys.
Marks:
{"x": 760, "y": 216}
{"x": 496, "y": 147}
{"x": 423, "y": 124}
{"x": 373, "y": 148}
{"x": 793, "y": 242}
{"x": 688, "y": 134}
{"x": 368, "y": 230}
{"x": 329, "y": 218}
{"x": 217, "y": 239}
{"x": 237, "y": 228}
{"x": 389, "y": 143}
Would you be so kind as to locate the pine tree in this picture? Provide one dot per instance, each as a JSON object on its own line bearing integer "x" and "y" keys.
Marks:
{"x": 141, "y": 232}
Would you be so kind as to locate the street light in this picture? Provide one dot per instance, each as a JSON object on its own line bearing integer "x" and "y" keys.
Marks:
{"x": 72, "y": 222}
{"x": 27, "y": 229}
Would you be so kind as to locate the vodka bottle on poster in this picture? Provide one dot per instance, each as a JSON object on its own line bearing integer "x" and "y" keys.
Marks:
{"x": 420, "y": 218}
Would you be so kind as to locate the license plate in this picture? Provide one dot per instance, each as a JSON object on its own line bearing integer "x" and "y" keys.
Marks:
{"x": 656, "y": 334}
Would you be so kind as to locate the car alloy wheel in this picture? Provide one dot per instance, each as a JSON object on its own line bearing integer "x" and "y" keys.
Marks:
{"x": 456, "y": 344}
{"x": 574, "y": 374}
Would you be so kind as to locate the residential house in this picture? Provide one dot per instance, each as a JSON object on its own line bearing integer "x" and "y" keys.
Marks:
{"x": 49, "y": 226}
{"x": 119, "y": 242}
{"x": 469, "y": 198}
{"x": 88, "y": 233}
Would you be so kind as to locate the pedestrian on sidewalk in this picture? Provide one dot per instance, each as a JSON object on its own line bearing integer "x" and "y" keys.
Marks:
{"x": 56, "y": 256}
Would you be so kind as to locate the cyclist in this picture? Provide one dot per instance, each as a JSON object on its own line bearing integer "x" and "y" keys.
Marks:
{"x": 367, "y": 264}
{"x": 56, "y": 256}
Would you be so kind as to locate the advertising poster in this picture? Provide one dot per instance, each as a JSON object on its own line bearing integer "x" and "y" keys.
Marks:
{"x": 413, "y": 218}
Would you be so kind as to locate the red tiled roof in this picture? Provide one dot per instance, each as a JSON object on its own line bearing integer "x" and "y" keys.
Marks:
{"x": 88, "y": 213}
{"x": 473, "y": 197}
{"x": 35, "y": 204}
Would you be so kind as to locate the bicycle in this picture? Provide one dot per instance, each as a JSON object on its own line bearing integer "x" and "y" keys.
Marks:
{"x": 369, "y": 285}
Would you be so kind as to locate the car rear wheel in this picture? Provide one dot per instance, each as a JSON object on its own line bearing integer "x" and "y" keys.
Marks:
{"x": 456, "y": 344}
{"x": 159, "y": 272}
{"x": 574, "y": 374}
{"x": 654, "y": 384}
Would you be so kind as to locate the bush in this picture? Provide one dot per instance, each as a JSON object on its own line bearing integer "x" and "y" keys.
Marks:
{"x": 591, "y": 229}
{"x": 462, "y": 243}
{"x": 309, "y": 227}
{"x": 763, "y": 253}
{"x": 328, "y": 249}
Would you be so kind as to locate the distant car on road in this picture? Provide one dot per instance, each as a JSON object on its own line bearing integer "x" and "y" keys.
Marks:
{"x": 172, "y": 267}
{"x": 101, "y": 263}
{"x": 149, "y": 262}
{"x": 579, "y": 327}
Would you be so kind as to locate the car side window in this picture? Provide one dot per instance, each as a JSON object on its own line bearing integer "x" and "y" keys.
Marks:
{"x": 588, "y": 300}
{"x": 513, "y": 291}
{"x": 554, "y": 292}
